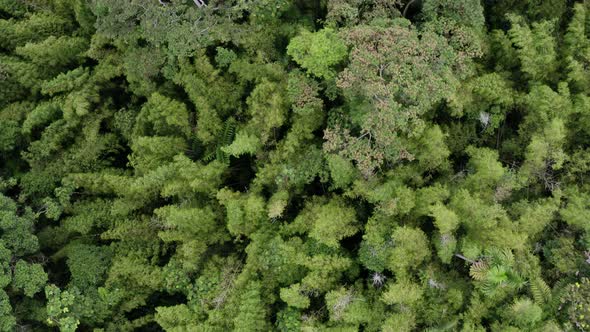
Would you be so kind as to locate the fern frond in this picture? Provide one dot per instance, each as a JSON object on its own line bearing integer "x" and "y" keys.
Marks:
{"x": 502, "y": 257}
{"x": 540, "y": 291}
{"x": 229, "y": 130}
{"x": 221, "y": 156}
{"x": 209, "y": 157}
{"x": 225, "y": 138}
{"x": 489, "y": 289}
{"x": 557, "y": 293}
{"x": 515, "y": 280}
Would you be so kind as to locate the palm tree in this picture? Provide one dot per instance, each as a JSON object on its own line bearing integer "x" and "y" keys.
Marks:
{"x": 495, "y": 272}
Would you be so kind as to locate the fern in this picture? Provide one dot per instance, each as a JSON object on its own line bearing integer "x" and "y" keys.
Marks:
{"x": 540, "y": 291}
{"x": 229, "y": 131}
{"x": 209, "y": 157}
{"x": 244, "y": 143}
{"x": 500, "y": 256}
{"x": 224, "y": 139}
{"x": 495, "y": 272}
{"x": 227, "y": 137}
{"x": 557, "y": 293}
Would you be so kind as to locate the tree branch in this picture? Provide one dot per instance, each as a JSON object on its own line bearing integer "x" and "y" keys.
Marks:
{"x": 406, "y": 8}
{"x": 465, "y": 258}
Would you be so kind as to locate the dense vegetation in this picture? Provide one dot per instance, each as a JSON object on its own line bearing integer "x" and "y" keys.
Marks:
{"x": 294, "y": 165}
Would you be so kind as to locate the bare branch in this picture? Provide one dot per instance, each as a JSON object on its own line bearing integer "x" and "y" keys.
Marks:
{"x": 465, "y": 258}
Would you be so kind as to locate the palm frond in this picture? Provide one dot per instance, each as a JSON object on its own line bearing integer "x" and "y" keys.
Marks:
{"x": 479, "y": 270}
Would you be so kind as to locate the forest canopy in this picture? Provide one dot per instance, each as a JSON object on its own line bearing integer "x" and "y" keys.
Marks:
{"x": 294, "y": 165}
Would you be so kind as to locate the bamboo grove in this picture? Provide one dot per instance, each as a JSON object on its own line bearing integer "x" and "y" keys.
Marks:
{"x": 294, "y": 165}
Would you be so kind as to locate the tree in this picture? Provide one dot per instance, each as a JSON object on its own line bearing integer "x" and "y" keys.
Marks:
{"x": 7, "y": 321}
{"x": 346, "y": 305}
{"x": 251, "y": 315}
{"x": 446, "y": 221}
{"x": 88, "y": 265}
{"x": 332, "y": 222}
{"x": 193, "y": 229}
{"x": 17, "y": 230}
{"x": 53, "y": 54}
{"x": 399, "y": 83}
{"x": 318, "y": 52}
{"x": 403, "y": 293}
{"x": 34, "y": 28}
{"x": 30, "y": 278}
{"x": 525, "y": 314}
{"x": 535, "y": 48}
{"x": 496, "y": 275}
{"x": 575, "y": 49}
{"x": 410, "y": 249}
{"x": 162, "y": 116}
{"x": 58, "y": 309}
{"x": 245, "y": 212}
{"x": 577, "y": 303}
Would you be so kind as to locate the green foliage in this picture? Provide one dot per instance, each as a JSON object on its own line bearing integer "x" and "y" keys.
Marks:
{"x": 576, "y": 210}
{"x": 576, "y": 298}
{"x": 7, "y": 321}
{"x": 540, "y": 291}
{"x": 245, "y": 212}
{"x": 496, "y": 273}
{"x": 251, "y": 313}
{"x": 399, "y": 83}
{"x": 332, "y": 222}
{"x": 525, "y": 313}
{"x": 404, "y": 321}
{"x": 318, "y": 52}
{"x": 36, "y": 27}
{"x": 403, "y": 293}
{"x": 53, "y": 53}
{"x": 535, "y": 47}
{"x": 293, "y": 297}
{"x": 162, "y": 116}
{"x": 17, "y": 230}
{"x": 243, "y": 144}
{"x": 466, "y": 12}
{"x": 87, "y": 264}
{"x": 341, "y": 170}
{"x": 225, "y": 57}
{"x": 347, "y": 306}
{"x": 410, "y": 249}
{"x": 445, "y": 220}
{"x": 149, "y": 152}
{"x": 288, "y": 320}
{"x": 337, "y": 165}
{"x": 173, "y": 317}
{"x": 59, "y": 309}
{"x": 30, "y": 278}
